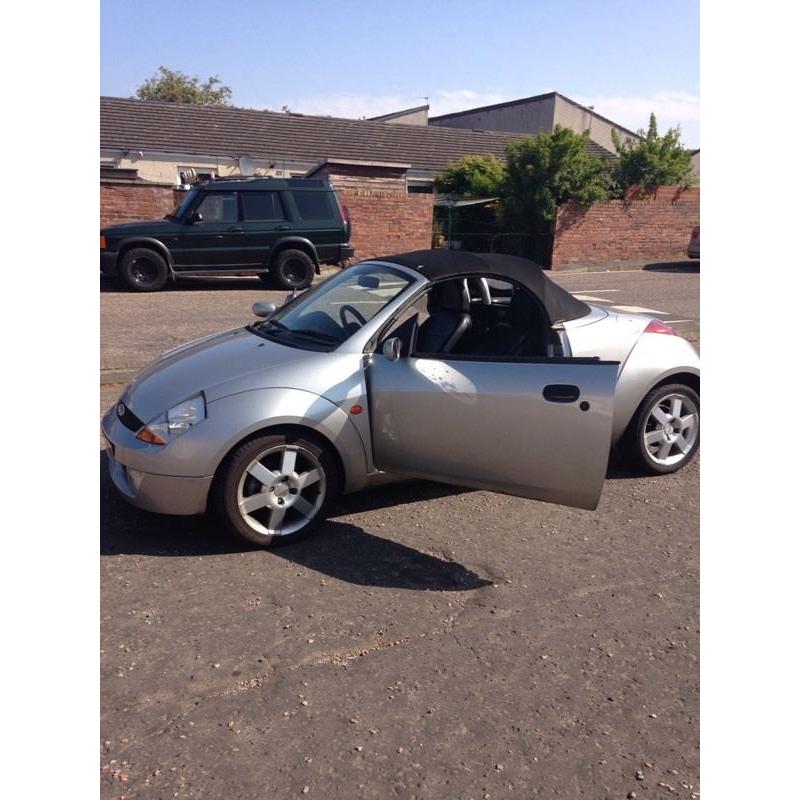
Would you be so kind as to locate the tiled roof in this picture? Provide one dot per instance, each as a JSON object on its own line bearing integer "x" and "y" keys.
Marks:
{"x": 234, "y": 132}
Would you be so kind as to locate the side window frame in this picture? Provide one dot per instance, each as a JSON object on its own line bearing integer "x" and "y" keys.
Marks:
{"x": 201, "y": 197}
{"x": 319, "y": 221}
{"x": 276, "y": 198}
{"x": 383, "y": 334}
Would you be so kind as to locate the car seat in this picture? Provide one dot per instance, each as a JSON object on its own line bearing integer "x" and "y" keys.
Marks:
{"x": 449, "y": 320}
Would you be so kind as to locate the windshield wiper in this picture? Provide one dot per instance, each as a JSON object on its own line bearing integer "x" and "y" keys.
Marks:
{"x": 312, "y": 334}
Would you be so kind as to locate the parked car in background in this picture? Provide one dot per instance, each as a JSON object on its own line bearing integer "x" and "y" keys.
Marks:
{"x": 469, "y": 369}
{"x": 234, "y": 226}
{"x": 693, "y": 250}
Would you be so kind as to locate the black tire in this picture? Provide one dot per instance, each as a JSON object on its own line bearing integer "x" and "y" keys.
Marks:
{"x": 293, "y": 269}
{"x": 143, "y": 270}
{"x": 235, "y": 482}
{"x": 645, "y": 457}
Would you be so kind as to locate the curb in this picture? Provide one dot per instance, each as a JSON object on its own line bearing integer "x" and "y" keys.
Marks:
{"x": 634, "y": 265}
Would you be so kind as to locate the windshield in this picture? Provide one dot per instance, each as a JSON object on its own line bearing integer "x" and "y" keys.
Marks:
{"x": 187, "y": 201}
{"x": 335, "y": 309}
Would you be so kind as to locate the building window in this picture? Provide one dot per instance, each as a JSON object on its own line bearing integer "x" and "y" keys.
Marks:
{"x": 188, "y": 176}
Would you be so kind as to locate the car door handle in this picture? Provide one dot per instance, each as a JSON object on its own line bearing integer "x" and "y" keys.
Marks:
{"x": 282, "y": 227}
{"x": 236, "y": 229}
{"x": 561, "y": 393}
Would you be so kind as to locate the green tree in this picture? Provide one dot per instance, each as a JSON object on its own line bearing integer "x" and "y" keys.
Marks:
{"x": 548, "y": 170}
{"x": 653, "y": 160}
{"x": 172, "y": 86}
{"x": 472, "y": 176}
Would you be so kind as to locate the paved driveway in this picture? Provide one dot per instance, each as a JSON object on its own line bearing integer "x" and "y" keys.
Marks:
{"x": 427, "y": 642}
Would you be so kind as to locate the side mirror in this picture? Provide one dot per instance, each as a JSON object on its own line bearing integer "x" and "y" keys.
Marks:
{"x": 369, "y": 281}
{"x": 195, "y": 216}
{"x": 392, "y": 349}
{"x": 265, "y": 310}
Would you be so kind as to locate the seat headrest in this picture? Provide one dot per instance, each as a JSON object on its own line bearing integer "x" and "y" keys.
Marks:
{"x": 522, "y": 309}
{"x": 449, "y": 296}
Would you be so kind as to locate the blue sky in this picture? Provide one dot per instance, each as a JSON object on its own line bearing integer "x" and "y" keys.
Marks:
{"x": 356, "y": 58}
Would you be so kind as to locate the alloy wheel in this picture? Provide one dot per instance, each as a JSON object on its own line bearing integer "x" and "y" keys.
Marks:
{"x": 281, "y": 491}
{"x": 671, "y": 430}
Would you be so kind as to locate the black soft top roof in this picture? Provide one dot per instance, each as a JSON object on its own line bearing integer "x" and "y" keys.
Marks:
{"x": 437, "y": 265}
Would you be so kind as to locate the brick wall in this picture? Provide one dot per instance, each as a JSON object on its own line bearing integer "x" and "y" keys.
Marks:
{"x": 655, "y": 225}
{"x": 131, "y": 202}
{"x": 385, "y": 218}
{"x": 388, "y": 222}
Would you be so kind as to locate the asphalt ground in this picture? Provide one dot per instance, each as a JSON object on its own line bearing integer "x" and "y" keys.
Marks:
{"x": 426, "y": 642}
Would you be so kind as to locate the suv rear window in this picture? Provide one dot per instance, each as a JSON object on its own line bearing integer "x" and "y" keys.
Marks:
{"x": 313, "y": 205}
{"x": 262, "y": 206}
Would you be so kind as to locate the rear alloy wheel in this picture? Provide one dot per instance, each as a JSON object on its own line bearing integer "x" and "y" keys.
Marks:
{"x": 143, "y": 270}
{"x": 293, "y": 269}
{"x": 666, "y": 429}
{"x": 277, "y": 488}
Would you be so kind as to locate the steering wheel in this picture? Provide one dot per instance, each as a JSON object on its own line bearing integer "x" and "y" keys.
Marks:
{"x": 344, "y": 310}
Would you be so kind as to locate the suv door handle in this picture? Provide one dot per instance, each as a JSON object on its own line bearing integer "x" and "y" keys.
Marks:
{"x": 561, "y": 393}
{"x": 282, "y": 227}
{"x": 236, "y": 229}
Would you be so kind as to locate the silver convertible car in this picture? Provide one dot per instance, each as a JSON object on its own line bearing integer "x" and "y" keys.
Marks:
{"x": 468, "y": 369}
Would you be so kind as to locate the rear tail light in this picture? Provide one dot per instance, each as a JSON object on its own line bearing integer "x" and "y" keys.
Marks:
{"x": 657, "y": 326}
{"x": 342, "y": 209}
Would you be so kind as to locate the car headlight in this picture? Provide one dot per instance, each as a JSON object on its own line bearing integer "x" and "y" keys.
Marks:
{"x": 173, "y": 423}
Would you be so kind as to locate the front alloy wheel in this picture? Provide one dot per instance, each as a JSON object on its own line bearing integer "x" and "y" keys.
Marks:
{"x": 276, "y": 488}
{"x": 666, "y": 429}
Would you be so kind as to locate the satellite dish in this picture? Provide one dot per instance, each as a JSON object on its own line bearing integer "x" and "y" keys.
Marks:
{"x": 247, "y": 166}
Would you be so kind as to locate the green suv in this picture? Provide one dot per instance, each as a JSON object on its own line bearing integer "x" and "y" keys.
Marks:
{"x": 234, "y": 226}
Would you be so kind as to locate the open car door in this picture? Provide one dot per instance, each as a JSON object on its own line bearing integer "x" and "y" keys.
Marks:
{"x": 538, "y": 428}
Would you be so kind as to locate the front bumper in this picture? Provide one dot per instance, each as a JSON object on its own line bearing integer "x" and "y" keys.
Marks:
{"x": 162, "y": 494}
{"x": 108, "y": 262}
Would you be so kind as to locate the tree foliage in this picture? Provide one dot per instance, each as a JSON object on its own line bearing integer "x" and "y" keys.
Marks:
{"x": 548, "y": 170}
{"x": 172, "y": 86}
{"x": 472, "y": 176}
{"x": 653, "y": 160}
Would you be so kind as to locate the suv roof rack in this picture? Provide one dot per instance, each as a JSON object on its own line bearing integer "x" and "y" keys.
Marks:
{"x": 218, "y": 178}
{"x": 289, "y": 183}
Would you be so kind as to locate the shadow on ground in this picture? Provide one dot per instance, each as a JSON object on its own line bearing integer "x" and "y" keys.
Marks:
{"x": 692, "y": 265}
{"x": 339, "y": 550}
{"x": 189, "y": 284}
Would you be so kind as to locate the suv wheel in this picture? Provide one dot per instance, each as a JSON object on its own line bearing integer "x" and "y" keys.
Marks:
{"x": 143, "y": 270}
{"x": 293, "y": 269}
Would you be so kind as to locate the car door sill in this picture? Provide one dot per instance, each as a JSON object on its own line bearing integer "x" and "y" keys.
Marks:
{"x": 233, "y": 270}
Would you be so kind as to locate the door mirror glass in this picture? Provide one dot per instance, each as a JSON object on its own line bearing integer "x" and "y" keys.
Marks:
{"x": 195, "y": 216}
{"x": 265, "y": 310}
{"x": 392, "y": 348}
